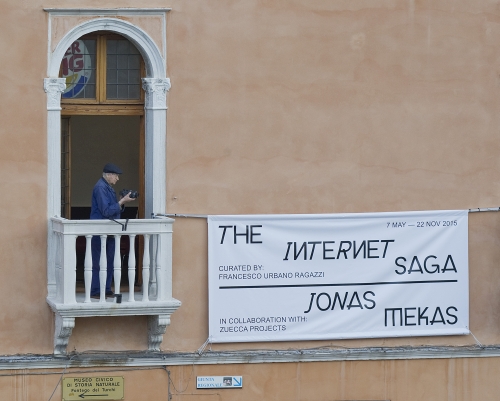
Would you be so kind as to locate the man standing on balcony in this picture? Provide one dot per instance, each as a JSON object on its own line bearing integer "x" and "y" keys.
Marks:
{"x": 105, "y": 206}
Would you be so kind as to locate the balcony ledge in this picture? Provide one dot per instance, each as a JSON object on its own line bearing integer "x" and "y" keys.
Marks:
{"x": 111, "y": 308}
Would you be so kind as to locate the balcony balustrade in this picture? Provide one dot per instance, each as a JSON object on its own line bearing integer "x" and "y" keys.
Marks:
{"x": 154, "y": 299}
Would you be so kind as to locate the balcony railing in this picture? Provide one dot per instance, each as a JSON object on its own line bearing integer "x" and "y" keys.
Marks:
{"x": 154, "y": 299}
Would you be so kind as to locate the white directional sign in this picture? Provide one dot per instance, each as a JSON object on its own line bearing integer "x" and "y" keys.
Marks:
{"x": 219, "y": 381}
{"x": 321, "y": 277}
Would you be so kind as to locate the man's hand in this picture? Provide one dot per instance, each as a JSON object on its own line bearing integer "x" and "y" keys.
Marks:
{"x": 126, "y": 199}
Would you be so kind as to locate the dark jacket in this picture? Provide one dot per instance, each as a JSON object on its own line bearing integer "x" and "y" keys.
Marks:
{"x": 104, "y": 203}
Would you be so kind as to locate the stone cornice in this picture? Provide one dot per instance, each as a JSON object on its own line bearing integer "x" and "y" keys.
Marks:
{"x": 159, "y": 359}
{"x": 104, "y": 11}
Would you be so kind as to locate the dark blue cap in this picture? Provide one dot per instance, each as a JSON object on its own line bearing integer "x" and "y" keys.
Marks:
{"x": 112, "y": 168}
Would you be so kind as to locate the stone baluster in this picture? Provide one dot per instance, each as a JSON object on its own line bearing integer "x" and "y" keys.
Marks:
{"x": 152, "y": 281}
{"x": 59, "y": 259}
{"x": 131, "y": 268}
{"x": 103, "y": 269}
{"x": 145, "y": 269}
{"x": 159, "y": 285}
{"x": 69, "y": 269}
{"x": 87, "y": 272}
{"x": 117, "y": 266}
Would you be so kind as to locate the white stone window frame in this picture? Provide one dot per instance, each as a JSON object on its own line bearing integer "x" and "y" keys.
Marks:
{"x": 156, "y": 85}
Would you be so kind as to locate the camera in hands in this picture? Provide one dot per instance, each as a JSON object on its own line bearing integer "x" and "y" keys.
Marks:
{"x": 133, "y": 194}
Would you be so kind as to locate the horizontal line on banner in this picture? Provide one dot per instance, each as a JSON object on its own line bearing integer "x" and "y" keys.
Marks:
{"x": 233, "y": 287}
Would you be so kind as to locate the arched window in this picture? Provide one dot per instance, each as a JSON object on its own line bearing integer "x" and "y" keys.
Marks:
{"x": 102, "y": 68}
{"x": 102, "y": 117}
{"x": 154, "y": 109}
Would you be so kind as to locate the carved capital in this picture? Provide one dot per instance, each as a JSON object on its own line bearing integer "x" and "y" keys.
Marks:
{"x": 54, "y": 87}
{"x": 156, "y": 92}
{"x": 157, "y": 326}
{"x": 64, "y": 328}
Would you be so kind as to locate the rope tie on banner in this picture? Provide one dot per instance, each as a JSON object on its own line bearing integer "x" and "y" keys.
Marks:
{"x": 477, "y": 341}
{"x": 205, "y": 216}
{"x": 201, "y": 350}
{"x": 485, "y": 209}
{"x": 200, "y": 216}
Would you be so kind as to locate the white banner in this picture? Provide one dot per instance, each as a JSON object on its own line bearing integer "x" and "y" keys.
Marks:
{"x": 321, "y": 277}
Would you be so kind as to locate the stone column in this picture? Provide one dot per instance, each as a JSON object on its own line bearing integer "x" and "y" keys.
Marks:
{"x": 156, "y": 121}
{"x": 54, "y": 87}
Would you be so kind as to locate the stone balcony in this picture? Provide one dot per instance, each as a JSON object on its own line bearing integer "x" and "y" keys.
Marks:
{"x": 153, "y": 299}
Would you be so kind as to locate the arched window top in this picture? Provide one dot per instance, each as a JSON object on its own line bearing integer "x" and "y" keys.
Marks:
{"x": 154, "y": 63}
{"x": 102, "y": 68}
